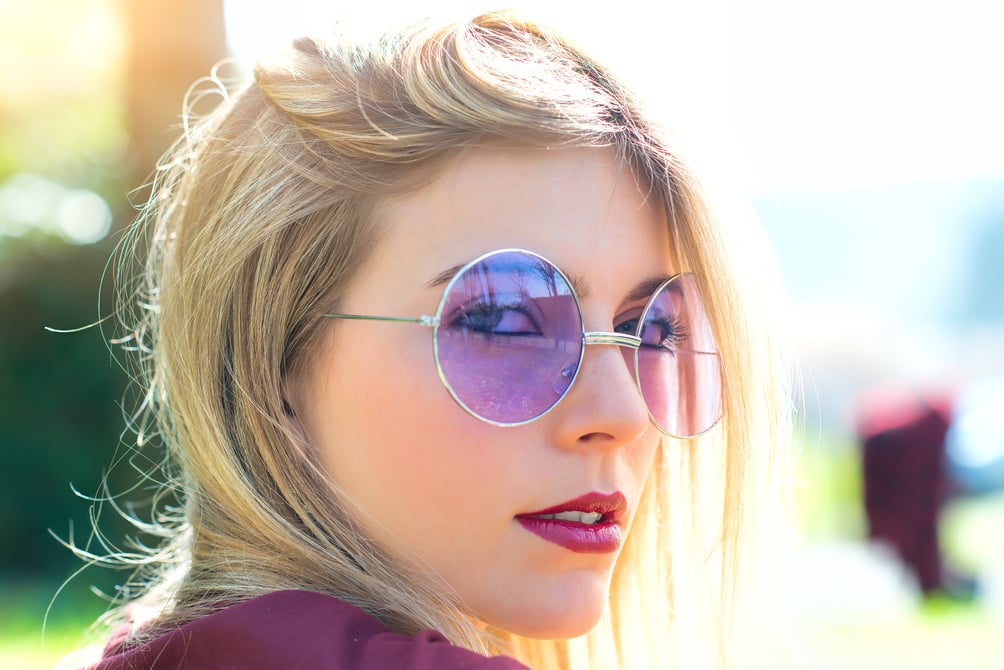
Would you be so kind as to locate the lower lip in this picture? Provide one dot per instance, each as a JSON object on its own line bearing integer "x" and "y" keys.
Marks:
{"x": 597, "y": 538}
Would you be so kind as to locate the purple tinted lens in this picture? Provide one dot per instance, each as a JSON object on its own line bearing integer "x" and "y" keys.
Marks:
{"x": 677, "y": 363}
{"x": 509, "y": 339}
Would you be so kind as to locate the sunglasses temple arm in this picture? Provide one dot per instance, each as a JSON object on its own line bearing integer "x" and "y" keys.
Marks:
{"x": 430, "y": 321}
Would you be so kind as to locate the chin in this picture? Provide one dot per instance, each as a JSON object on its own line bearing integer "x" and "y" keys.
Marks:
{"x": 562, "y": 614}
{"x": 568, "y": 626}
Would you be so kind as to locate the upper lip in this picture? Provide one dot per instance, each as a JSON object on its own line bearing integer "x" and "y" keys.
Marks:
{"x": 613, "y": 506}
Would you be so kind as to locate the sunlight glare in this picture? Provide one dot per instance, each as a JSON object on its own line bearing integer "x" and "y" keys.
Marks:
{"x": 793, "y": 95}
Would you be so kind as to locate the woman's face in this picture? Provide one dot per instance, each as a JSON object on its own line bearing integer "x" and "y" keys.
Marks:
{"x": 454, "y": 495}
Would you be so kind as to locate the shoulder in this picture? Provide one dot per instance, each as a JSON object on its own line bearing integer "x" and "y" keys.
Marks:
{"x": 297, "y": 629}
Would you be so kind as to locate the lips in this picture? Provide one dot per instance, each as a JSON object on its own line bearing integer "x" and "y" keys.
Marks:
{"x": 588, "y": 524}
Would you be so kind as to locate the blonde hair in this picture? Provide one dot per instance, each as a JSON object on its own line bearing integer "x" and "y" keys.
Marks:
{"x": 259, "y": 218}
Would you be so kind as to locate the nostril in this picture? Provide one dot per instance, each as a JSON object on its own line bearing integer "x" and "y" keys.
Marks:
{"x": 601, "y": 438}
{"x": 592, "y": 438}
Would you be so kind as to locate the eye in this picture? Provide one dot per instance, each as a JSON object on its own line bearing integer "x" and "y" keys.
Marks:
{"x": 630, "y": 326}
{"x": 627, "y": 322}
{"x": 495, "y": 319}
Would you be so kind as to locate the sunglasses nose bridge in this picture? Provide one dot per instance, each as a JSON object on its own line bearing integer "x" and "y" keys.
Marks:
{"x": 617, "y": 339}
{"x": 631, "y": 342}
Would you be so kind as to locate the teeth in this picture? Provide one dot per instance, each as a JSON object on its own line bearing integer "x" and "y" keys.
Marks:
{"x": 577, "y": 517}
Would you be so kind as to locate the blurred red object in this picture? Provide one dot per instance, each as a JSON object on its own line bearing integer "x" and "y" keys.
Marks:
{"x": 903, "y": 436}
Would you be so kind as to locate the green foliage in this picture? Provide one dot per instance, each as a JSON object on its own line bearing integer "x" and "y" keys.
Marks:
{"x": 61, "y": 395}
{"x": 60, "y": 399}
{"x": 828, "y": 497}
{"x": 24, "y": 643}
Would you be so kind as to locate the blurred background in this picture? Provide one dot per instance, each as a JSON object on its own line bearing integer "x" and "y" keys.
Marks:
{"x": 868, "y": 136}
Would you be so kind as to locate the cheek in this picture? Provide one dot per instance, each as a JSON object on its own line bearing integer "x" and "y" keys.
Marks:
{"x": 393, "y": 439}
{"x": 369, "y": 386}
{"x": 641, "y": 457}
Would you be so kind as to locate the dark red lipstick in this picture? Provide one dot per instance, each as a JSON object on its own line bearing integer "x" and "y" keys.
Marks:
{"x": 588, "y": 524}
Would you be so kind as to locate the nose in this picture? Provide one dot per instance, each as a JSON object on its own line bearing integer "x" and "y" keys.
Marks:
{"x": 603, "y": 407}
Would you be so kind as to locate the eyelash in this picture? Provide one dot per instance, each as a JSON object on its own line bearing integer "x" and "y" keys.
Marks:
{"x": 676, "y": 331}
{"x": 496, "y": 313}
{"x": 673, "y": 329}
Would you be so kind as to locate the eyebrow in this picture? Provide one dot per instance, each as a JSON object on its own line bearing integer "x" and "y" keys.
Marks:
{"x": 641, "y": 291}
{"x": 644, "y": 289}
{"x": 445, "y": 276}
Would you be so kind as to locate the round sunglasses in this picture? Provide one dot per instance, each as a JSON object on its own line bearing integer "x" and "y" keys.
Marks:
{"x": 508, "y": 339}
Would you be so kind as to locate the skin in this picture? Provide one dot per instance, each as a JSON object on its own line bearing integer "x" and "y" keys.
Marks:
{"x": 440, "y": 488}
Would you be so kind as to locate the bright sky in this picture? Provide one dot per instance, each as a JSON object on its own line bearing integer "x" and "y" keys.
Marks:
{"x": 794, "y": 93}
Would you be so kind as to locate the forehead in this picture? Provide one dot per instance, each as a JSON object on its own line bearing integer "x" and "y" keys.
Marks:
{"x": 582, "y": 208}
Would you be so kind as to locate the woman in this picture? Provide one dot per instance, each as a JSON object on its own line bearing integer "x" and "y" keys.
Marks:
{"x": 452, "y": 364}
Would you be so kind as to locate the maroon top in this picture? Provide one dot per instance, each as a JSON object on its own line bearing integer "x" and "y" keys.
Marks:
{"x": 295, "y": 629}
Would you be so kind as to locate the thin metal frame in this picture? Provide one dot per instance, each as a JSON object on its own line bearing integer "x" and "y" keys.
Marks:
{"x": 588, "y": 337}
